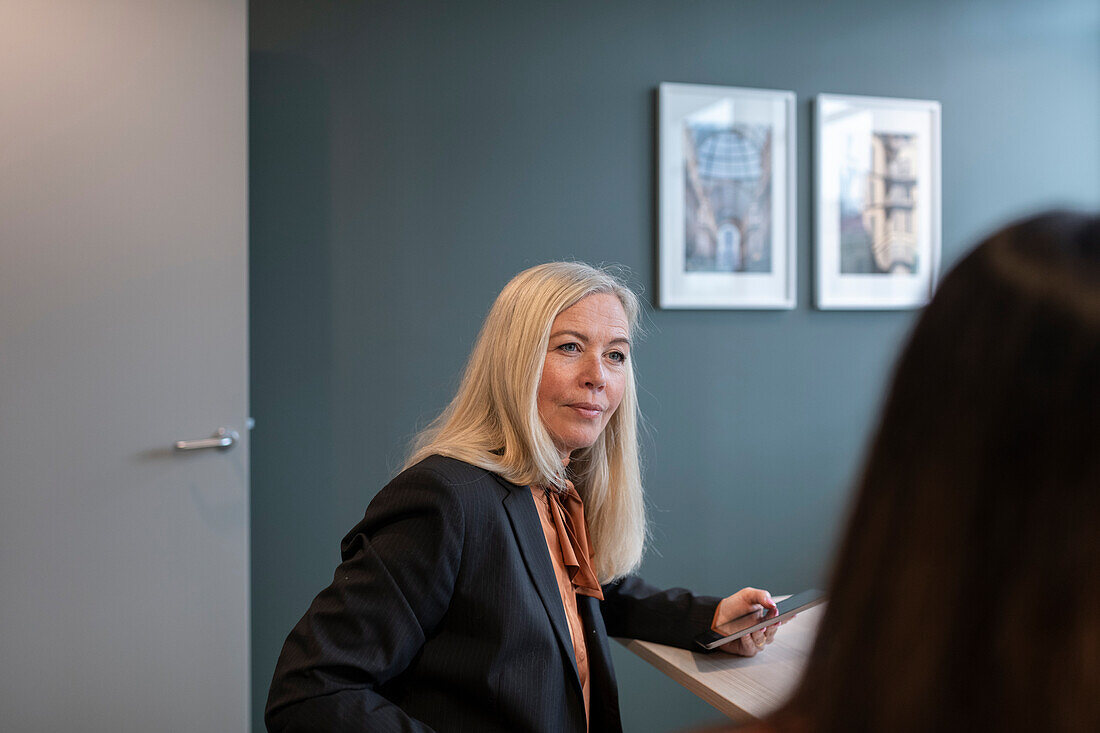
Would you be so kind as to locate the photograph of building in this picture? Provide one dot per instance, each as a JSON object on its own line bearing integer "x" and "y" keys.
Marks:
{"x": 878, "y": 205}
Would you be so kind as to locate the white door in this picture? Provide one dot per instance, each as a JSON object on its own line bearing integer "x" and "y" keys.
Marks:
{"x": 123, "y": 328}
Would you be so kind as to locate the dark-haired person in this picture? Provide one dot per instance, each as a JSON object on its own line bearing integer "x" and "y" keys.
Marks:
{"x": 966, "y": 592}
{"x": 479, "y": 590}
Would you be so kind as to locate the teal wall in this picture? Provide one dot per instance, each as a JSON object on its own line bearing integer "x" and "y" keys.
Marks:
{"x": 408, "y": 158}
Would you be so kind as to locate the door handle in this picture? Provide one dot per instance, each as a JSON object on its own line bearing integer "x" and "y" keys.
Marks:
{"x": 222, "y": 439}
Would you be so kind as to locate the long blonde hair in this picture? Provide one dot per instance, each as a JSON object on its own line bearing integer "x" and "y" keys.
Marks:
{"x": 493, "y": 420}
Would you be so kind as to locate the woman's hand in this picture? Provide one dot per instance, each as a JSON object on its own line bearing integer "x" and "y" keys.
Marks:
{"x": 745, "y": 601}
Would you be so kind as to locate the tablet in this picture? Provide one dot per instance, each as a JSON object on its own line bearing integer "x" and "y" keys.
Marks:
{"x": 761, "y": 619}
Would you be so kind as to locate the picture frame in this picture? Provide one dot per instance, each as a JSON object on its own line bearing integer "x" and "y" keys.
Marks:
{"x": 876, "y": 201}
{"x": 727, "y": 197}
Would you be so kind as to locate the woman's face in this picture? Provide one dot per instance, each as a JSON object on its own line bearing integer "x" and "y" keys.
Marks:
{"x": 584, "y": 374}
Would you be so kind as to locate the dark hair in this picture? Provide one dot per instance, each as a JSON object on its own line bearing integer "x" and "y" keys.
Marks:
{"x": 966, "y": 590}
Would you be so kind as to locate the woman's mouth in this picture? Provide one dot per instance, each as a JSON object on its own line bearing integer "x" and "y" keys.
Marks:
{"x": 586, "y": 409}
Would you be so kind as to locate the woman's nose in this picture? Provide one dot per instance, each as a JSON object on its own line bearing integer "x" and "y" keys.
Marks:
{"x": 594, "y": 373}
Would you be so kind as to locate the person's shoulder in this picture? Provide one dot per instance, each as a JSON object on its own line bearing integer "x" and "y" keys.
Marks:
{"x": 450, "y": 470}
{"x": 436, "y": 481}
{"x": 438, "y": 493}
{"x": 459, "y": 479}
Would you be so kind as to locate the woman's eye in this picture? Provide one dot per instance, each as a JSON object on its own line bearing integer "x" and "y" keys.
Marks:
{"x": 617, "y": 356}
{"x": 570, "y": 347}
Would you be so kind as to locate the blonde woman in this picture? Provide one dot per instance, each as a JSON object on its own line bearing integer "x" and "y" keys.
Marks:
{"x": 479, "y": 590}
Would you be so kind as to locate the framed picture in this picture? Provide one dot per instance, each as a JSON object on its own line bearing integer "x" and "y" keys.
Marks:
{"x": 727, "y": 197}
{"x": 876, "y": 201}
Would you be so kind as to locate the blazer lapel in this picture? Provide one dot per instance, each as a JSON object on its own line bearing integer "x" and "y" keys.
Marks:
{"x": 520, "y": 506}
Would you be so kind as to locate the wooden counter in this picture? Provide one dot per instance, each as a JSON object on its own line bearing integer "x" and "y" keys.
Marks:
{"x": 743, "y": 688}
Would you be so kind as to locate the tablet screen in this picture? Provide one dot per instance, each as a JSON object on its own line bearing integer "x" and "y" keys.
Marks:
{"x": 761, "y": 619}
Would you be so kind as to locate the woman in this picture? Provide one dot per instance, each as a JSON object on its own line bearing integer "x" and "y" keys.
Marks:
{"x": 479, "y": 590}
{"x": 966, "y": 593}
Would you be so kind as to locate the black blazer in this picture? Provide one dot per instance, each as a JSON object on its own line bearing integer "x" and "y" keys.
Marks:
{"x": 445, "y": 615}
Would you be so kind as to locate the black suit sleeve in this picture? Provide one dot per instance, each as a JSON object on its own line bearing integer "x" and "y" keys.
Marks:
{"x": 391, "y": 589}
{"x": 635, "y": 609}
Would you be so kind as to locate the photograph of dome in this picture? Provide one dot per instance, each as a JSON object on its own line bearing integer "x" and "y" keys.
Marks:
{"x": 727, "y": 190}
{"x": 727, "y": 197}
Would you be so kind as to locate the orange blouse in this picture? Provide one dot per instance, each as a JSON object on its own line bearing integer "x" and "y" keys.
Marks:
{"x": 565, "y": 590}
